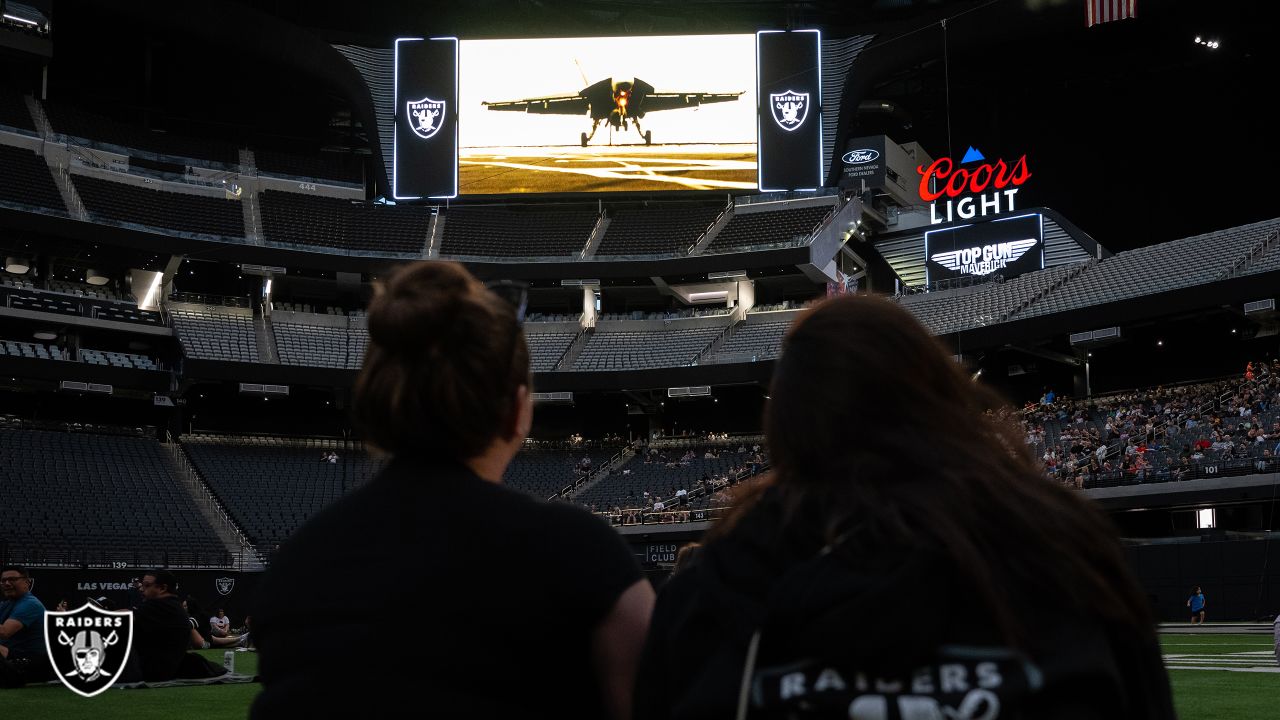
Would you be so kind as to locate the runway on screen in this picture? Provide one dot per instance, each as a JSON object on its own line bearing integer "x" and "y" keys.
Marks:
{"x": 597, "y": 168}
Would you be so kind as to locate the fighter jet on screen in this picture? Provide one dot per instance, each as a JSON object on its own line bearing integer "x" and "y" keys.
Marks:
{"x": 617, "y": 104}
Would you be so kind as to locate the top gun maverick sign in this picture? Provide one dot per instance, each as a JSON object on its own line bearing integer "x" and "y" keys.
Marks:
{"x": 971, "y": 190}
{"x": 1008, "y": 247}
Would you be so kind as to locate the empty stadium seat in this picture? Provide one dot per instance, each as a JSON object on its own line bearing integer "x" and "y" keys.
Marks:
{"x": 301, "y": 343}
{"x": 662, "y": 229}
{"x": 75, "y": 122}
{"x": 296, "y": 219}
{"x": 213, "y": 332}
{"x": 515, "y": 232}
{"x": 80, "y": 497}
{"x": 633, "y": 346}
{"x": 25, "y": 179}
{"x": 116, "y": 202}
{"x": 769, "y": 226}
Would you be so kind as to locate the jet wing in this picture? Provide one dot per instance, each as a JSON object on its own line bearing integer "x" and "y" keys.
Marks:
{"x": 557, "y": 105}
{"x": 654, "y": 102}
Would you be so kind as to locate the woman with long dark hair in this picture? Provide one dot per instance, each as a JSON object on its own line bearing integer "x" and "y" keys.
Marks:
{"x": 434, "y": 589}
{"x": 905, "y": 558}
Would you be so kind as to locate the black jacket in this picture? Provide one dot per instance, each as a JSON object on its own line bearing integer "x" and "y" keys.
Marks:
{"x": 886, "y": 630}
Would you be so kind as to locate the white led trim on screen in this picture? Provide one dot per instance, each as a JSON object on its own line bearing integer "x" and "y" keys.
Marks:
{"x": 395, "y": 126}
{"x": 818, "y": 64}
{"x": 455, "y": 122}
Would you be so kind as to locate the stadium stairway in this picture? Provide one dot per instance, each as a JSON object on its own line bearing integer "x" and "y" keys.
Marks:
{"x": 266, "y": 336}
{"x": 232, "y": 538}
{"x": 574, "y": 350}
{"x": 70, "y": 196}
{"x": 735, "y": 321}
{"x": 709, "y": 236}
{"x": 597, "y": 236}
{"x": 604, "y": 471}
{"x": 435, "y": 233}
{"x": 249, "y": 199}
{"x": 1263, "y": 251}
{"x": 1075, "y": 273}
{"x": 41, "y": 120}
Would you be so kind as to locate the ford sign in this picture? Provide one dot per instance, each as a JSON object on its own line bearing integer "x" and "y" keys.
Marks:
{"x": 858, "y": 157}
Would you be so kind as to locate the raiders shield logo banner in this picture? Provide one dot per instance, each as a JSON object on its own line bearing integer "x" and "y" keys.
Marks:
{"x": 225, "y": 585}
{"x": 88, "y": 646}
{"x": 426, "y": 116}
{"x": 425, "y": 140}
{"x": 789, "y": 155}
{"x": 789, "y": 108}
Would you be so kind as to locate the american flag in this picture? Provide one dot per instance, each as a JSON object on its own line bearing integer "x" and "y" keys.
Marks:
{"x": 1100, "y": 11}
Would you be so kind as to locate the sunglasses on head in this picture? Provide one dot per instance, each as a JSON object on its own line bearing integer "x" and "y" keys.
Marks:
{"x": 513, "y": 293}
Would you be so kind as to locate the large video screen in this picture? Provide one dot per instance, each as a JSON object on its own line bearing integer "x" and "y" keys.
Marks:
{"x": 1009, "y": 247}
{"x": 607, "y": 114}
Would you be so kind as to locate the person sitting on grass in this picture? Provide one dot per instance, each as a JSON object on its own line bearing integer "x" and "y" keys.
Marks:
{"x": 22, "y": 651}
{"x": 220, "y": 624}
{"x": 202, "y": 635}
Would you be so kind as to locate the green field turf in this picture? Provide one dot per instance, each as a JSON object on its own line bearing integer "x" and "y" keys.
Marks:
{"x": 1227, "y": 682}
{"x": 1224, "y": 685}
{"x": 217, "y": 702}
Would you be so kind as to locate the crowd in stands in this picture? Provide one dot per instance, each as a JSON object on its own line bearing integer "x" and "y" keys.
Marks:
{"x": 674, "y": 480}
{"x": 1162, "y": 434}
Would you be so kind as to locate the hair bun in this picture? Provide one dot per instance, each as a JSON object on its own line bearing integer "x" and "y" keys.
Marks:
{"x": 418, "y": 305}
{"x": 444, "y": 361}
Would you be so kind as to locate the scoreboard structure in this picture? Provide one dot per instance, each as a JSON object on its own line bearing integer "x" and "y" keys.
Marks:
{"x": 639, "y": 113}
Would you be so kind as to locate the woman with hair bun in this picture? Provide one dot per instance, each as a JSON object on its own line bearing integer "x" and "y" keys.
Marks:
{"x": 434, "y": 586}
{"x": 905, "y": 559}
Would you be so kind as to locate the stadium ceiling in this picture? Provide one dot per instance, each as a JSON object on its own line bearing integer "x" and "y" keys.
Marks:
{"x": 1121, "y": 122}
{"x": 555, "y": 18}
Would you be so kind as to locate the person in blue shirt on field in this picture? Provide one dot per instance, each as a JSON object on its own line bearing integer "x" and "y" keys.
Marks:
{"x": 22, "y": 652}
{"x": 1196, "y": 603}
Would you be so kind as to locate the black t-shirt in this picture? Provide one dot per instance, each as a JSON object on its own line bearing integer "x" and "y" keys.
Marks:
{"x": 161, "y": 635}
{"x": 430, "y": 588}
